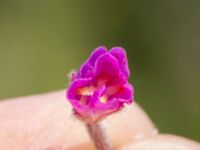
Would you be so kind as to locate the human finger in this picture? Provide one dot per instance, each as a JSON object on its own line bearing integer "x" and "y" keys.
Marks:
{"x": 45, "y": 122}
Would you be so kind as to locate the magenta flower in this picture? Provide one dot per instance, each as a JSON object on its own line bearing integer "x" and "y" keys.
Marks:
{"x": 101, "y": 86}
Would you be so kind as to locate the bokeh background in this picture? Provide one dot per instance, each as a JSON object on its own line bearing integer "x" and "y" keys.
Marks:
{"x": 42, "y": 40}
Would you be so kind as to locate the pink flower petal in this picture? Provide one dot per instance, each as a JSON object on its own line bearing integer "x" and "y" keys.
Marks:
{"x": 120, "y": 54}
{"x": 125, "y": 94}
{"x": 107, "y": 71}
{"x": 86, "y": 70}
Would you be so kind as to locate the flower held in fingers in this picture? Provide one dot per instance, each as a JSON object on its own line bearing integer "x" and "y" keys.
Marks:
{"x": 101, "y": 86}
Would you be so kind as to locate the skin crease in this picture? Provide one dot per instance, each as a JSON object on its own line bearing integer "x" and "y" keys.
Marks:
{"x": 45, "y": 122}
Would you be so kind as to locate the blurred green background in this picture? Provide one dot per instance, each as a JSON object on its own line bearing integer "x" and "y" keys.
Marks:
{"x": 41, "y": 40}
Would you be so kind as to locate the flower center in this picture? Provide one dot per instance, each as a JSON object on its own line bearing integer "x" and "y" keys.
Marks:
{"x": 86, "y": 91}
{"x": 103, "y": 99}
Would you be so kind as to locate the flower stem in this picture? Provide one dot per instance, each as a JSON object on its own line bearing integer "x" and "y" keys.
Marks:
{"x": 98, "y": 136}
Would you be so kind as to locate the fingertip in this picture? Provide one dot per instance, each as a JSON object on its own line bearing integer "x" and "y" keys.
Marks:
{"x": 164, "y": 142}
{"x": 131, "y": 124}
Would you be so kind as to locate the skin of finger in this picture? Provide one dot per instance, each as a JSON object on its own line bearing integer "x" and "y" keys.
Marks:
{"x": 163, "y": 142}
{"x": 45, "y": 122}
